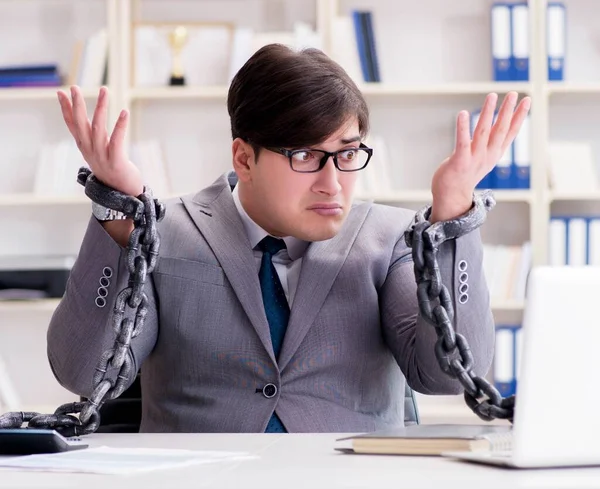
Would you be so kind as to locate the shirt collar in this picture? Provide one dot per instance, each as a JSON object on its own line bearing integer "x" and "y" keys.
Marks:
{"x": 295, "y": 247}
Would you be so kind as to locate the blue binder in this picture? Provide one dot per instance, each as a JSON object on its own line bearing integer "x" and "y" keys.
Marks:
{"x": 505, "y": 360}
{"x": 501, "y": 27}
{"x": 362, "y": 46}
{"x": 371, "y": 45}
{"x": 569, "y": 240}
{"x": 487, "y": 182}
{"x": 518, "y": 353}
{"x": 520, "y": 41}
{"x": 521, "y": 173}
{"x": 503, "y": 173}
{"x": 556, "y": 40}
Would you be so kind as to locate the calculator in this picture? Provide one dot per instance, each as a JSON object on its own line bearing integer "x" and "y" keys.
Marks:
{"x": 29, "y": 441}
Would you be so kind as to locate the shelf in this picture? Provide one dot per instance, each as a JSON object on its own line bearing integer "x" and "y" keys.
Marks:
{"x": 177, "y": 93}
{"x": 575, "y": 196}
{"x": 32, "y": 305}
{"x": 482, "y": 88}
{"x": 48, "y": 93}
{"x": 370, "y": 89}
{"x": 513, "y": 195}
{"x": 573, "y": 88}
{"x": 28, "y": 199}
{"x": 425, "y": 196}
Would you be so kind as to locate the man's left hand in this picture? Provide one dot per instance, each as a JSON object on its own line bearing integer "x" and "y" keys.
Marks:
{"x": 454, "y": 181}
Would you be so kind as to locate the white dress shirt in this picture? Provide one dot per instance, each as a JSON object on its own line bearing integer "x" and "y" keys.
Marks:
{"x": 287, "y": 262}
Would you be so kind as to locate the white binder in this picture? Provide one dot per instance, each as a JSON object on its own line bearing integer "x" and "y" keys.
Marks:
{"x": 577, "y": 241}
{"x": 520, "y": 41}
{"x": 594, "y": 241}
{"x": 558, "y": 241}
{"x": 556, "y": 40}
{"x": 501, "y": 41}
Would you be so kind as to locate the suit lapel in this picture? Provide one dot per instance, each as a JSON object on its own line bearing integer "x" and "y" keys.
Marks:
{"x": 321, "y": 264}
{"x": 216, "y": 217}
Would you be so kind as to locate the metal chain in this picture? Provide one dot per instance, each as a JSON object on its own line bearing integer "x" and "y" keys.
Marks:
{"x": 142, "y": 255}
{"x": 435, "y": 304}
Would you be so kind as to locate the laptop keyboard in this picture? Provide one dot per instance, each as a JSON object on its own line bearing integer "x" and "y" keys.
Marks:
{"x": 501, "y": 454}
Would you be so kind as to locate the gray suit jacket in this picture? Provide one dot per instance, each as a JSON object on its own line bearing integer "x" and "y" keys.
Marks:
{"x": 354, "y": 333}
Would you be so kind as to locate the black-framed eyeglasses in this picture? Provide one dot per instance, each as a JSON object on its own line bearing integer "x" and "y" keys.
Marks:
{"x": 314, "y": 160}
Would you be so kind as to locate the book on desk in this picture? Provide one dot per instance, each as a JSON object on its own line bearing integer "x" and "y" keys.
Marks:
{"x": 430, "y": 439}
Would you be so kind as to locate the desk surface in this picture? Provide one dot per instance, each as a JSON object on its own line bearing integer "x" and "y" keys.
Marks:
{"x": 299, "y": 461}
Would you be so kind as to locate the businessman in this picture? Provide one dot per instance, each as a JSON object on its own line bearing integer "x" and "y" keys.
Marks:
{"x": 279, "y": 303}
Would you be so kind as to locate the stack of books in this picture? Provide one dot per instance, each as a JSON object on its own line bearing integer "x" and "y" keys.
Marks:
{"x": 41, "y": 75}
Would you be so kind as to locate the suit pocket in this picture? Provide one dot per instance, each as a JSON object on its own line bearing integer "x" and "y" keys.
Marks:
{"x": 190, "y": 269}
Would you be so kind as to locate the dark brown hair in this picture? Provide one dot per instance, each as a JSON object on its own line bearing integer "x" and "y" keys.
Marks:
{"x": 288, "y": 98}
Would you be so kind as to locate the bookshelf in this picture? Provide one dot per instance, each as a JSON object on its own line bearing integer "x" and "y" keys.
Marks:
{"x": 414, "y": 106}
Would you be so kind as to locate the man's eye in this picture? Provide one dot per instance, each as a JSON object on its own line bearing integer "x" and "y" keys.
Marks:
{"x": 349, "y": 154}
{"x": 303, "y": 156}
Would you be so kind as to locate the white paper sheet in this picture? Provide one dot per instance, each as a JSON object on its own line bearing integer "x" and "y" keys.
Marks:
{"x": 107, "y": 460}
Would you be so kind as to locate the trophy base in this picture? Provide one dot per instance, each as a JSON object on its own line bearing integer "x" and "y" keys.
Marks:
{"x": 177, "y": 81}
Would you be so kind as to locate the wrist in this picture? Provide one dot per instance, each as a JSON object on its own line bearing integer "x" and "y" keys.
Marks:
{"x": 448, "y": 209}
{"x": 119, "y": 230}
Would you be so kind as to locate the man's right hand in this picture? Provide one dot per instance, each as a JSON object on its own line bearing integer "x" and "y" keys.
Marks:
{"x": 105, "y": 156}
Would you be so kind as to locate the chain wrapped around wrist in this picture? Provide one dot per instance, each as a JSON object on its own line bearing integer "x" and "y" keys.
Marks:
{"x": 435, "y": 305}
{"x": 142, "y": 256}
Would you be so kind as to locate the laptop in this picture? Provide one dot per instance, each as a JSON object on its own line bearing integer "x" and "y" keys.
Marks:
{"x": 556, "y": 419}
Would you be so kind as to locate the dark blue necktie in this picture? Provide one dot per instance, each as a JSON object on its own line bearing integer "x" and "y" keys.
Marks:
{"x": 276, "y": 305}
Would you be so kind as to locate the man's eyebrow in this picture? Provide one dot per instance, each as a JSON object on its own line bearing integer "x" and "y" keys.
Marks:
{"x": 350, "y": 140}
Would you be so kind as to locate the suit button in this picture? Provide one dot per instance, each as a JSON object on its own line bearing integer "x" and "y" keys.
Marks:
{"x": 269, "y": 391}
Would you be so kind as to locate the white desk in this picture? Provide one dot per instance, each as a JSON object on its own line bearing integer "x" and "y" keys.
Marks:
{"x": 299, "y": 461}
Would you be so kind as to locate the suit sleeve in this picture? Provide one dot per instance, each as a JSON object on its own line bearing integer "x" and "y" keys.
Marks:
{"x": 80, "y": 331}
{"x": 412, "y": 339}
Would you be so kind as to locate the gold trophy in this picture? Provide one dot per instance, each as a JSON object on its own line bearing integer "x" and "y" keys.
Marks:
{"x": 177, "y": 39}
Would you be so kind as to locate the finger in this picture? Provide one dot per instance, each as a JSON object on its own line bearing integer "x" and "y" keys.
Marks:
{"x": 99, "y": 133}
{"x": 81, "y": 122}
{"x": 67, "y": 112}
{"x": 502, "y": 125}
{"x": 517, "y": 121}
{"x": 463, "y": 134}
{"x": 482, "y": 130}
{"x": 116, "y": 144}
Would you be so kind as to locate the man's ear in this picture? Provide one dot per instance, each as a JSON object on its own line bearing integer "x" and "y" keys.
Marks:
{"x": 243, "y": 159}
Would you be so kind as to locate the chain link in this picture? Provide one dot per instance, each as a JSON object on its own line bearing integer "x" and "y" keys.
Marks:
{"x": 142, "y": 255}
{"x": 435, "y": 305}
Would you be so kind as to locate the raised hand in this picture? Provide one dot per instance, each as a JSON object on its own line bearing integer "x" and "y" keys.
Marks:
{"x": 106, "y": 156}
{"x": 454, "y": 181}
